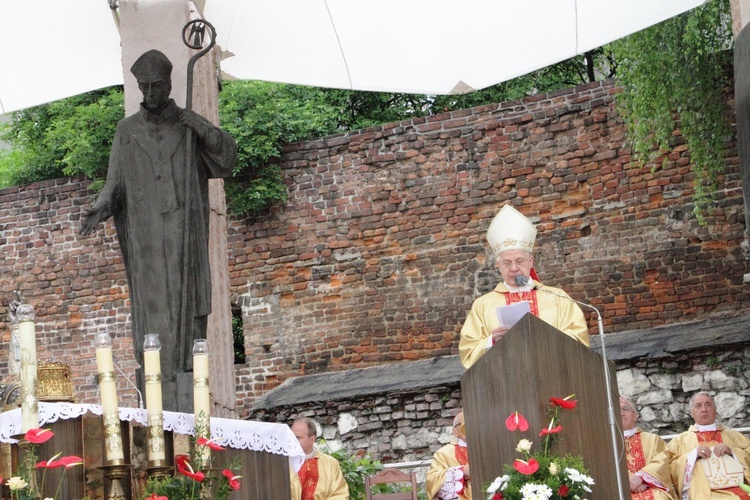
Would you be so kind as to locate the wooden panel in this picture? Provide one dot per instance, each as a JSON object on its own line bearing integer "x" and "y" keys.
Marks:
{"x": 264, "y": 475}
{"x": 68, "y": 440}
{"x": 533, "y": 363}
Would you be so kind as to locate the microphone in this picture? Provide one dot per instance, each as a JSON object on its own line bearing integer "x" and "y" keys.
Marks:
{"x": 521, "y": 280}
{"x": 607, "y": 377}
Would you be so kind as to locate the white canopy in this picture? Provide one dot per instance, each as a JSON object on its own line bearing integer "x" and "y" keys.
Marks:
{"x": 55, "y": 49}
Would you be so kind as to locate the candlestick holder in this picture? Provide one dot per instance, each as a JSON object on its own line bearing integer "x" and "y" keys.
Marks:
{"x": 156, "y": 443}
{"x": 159, "y": 469}
{"x": 115, "y": 473}
{"x": 111, "y": 422}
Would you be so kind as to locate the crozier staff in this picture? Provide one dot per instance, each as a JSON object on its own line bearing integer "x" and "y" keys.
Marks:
{"x": 511, "y": 237}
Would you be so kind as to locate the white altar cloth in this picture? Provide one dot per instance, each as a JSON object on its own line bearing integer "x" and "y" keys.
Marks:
{"x": 238, "y": 434}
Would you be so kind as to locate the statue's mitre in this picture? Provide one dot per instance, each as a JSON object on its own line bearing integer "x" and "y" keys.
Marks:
{"x": 511, "y": 230}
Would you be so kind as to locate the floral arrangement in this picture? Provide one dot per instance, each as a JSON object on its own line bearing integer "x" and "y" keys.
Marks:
{"x": 24, "y": 486}
{"x": 542, "y": 475}
{"x": 191, "y": 482}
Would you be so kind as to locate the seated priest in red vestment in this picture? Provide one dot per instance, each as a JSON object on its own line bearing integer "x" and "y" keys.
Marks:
{"x": 704, "y": 447}
{"x": 320, "y": 477}
{"x": 448, "y": 475}
{"x": 511, "y": 237}
{"x": 648, "y": 459}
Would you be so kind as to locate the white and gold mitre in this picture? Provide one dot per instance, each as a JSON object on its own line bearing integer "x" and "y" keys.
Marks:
{"x": 511, "y": 230}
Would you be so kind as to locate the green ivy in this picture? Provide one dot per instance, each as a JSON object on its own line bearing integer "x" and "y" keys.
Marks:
{"x": 675, "y": 76}
{"x": 355, "y": 469}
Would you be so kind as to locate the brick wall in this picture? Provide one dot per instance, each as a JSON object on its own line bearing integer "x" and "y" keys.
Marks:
{"x": 380, "y": 250}
{"x": 77, "y": 285}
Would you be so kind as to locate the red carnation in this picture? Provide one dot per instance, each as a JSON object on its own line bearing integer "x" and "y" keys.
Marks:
{"x": 566, "y": 404}
{"x": 516, "y": 421}
{"x": 38, "y": 436}
{"x": 497, "y": 496}
{"x": 526, "y": 468}
{"x": 563, "y": 490}
{"x": 154, "y": 497}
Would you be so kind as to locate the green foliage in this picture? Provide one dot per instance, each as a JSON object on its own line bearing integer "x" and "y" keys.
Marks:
{"x": 183, "y": 488}
{"x": 355, "y": 469}
{"x": 68, "y": 137}
{"x": 713, "y": 362}
{"x": 263, "y": 116}
{"x": 251, "y": 196}
{"x": 209, "y": 484}
{"x": 589, "y": 67}
{"x": 238, "y": 337}
{"x": 674, "y": 75}
{"x": 358, "y": 109}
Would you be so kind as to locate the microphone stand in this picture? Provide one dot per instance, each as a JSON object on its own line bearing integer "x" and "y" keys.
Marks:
{"x": 140, "y": 396}
{"x": 610, "y": 402}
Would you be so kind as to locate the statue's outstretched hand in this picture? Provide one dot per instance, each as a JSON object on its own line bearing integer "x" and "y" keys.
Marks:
{"x": 93, "y": 218}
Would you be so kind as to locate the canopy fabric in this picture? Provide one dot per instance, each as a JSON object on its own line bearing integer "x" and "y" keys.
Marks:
{"x": 57, "y": 49}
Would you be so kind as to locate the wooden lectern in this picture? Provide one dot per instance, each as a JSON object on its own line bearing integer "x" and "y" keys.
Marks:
{"x": 533, "y": 362}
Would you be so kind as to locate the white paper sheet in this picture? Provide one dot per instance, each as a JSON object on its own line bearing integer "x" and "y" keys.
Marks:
{"x": 509, "y": 315}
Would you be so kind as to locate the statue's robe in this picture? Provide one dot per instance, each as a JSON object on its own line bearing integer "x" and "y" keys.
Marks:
{"x": 151, "y": 191}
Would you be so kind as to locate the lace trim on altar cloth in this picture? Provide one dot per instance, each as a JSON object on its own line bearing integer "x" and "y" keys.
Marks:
{"x": 238, "y": 434}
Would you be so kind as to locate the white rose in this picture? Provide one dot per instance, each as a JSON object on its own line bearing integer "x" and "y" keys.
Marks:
{"x": 524, "y": 446}
{"x": 16, "y": 483}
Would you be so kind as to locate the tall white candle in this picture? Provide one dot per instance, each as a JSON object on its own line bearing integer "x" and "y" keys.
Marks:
{"x": 201, "y": 397}
{"x": 28, "y": 375}
{"x": 108, "y": 395}
{"x": 152, "y": 372}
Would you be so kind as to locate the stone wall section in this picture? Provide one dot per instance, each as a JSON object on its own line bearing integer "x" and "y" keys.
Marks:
{"x": 379, "y": 252}
{"x": 408, "y": 426}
